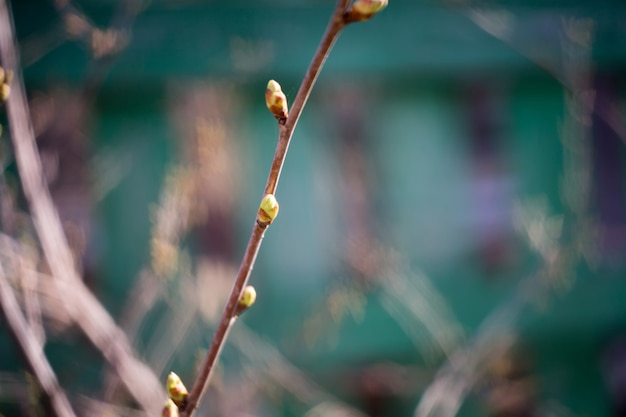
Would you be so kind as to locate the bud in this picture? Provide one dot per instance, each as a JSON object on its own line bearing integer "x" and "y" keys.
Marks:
{"x": 365, "y": 9}
{"x": 176, "y": 389}
{"x": 248, "y": 296}
{"x": 276, "y": 100}
{"x": 5, "y": 91}
{"x": 169, "y": 409}
{"x": 1, "y": 75}
{"x": 268, "y": 210}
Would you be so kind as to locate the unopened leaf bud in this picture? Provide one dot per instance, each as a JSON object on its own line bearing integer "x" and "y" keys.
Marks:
{"x": 268, "y": 210}
{"x": 176, "y": 389}
{"x": 248, "y": 296}
{"x": 365, "y": 9}
{"x": 276, "y": 100}
{"x": 5, "y": 91}
{"x": 169, "y": 409}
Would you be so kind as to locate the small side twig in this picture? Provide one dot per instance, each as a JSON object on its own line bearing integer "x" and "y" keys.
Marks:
{"x": 342, "y": 16}
{"x": 32, "y": 350}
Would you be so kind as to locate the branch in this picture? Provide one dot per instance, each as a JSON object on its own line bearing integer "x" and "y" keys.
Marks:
{"x": 340, "y": 18}
{"x": 336, "y": 24}
{"x": 82, "y": 305}
{"x": 32, "y": 350}
{"x": 226, "y": 321}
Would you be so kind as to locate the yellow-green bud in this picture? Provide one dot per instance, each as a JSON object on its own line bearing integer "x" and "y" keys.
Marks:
{"x": 176, "y": 389}
{"x": 268, "y": 210}
{"x": 365, "y": 9}
{"x": 276, "y": 100}
{"x": 248, "y": 296}
{"x": 169, "y": 409}
{"x": 5, "y": 91}
{"x": 1, "y": 75}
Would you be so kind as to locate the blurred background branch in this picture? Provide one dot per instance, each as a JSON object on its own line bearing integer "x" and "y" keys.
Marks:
{"x": 32, "y": 350}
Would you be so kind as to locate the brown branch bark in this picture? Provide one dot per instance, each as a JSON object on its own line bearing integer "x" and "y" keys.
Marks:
{"x": 337, "y": 23}
{"x": 32, "y": 350}
{"x": 226, "y": 321}
{"x": 81, "y": 304}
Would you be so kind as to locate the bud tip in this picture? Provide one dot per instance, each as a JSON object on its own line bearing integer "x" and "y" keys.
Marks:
{"x": 275, "y": 100}
{"x": 169, "y": 409}
{"x": 176, "y": 389}
{"x": 365, "y": 9}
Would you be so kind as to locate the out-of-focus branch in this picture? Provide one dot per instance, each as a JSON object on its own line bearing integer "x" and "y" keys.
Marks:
{"x": 32, "y": 350}
{"x": 455, "y": 380}
{"x": 45, "y": 216}
{"x": 280, "y": 370}
{"x": 90, "y": 407}
{"x": 81, "y": 304}
{"x": 54, "y": 297}
{"x": 488, "y": 20}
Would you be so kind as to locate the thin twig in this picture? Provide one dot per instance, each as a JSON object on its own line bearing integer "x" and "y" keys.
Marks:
{"x": 82, "y": 305}
{"x": 226, "y": 320}
{"x": 32, "y": 350}
{"x": 336, "y": 24}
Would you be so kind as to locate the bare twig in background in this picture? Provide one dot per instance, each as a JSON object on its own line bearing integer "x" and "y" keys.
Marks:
{"x": 282, "y": 372}
{"x": 53, "y": 296}
{"x": 500, "y": 23}
{"x": 32, "y": 350}
{"x": 90, "y": 407}
{"x": 32, "y": 306}
{"x": 176, "y": 328}
{"x": 84, "y": 308}
{"x": 411, "y": 299}
{"x": 14, "y": 258}
{"x": 455, "y": 380}
{"x": 198, "y": 193}
{"x": 45, "y": 217}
